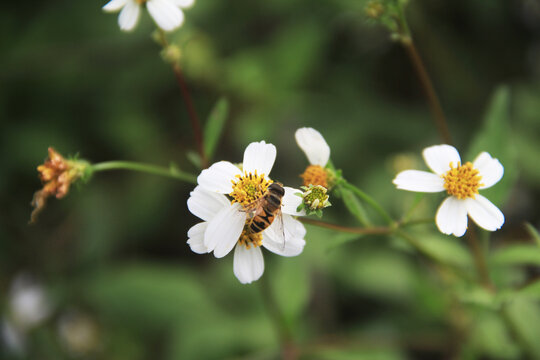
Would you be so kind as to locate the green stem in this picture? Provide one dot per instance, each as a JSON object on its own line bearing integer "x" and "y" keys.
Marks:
{"x": 351, "y": 230}
{"x": 368, "y": 200}
{"x": 403, "y": 224}
{"x": 283, "y": 331}
{"x": 479, "y": 259}
{"x": 146, "y": 168}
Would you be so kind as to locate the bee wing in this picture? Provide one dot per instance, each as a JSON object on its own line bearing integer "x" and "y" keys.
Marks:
{"x": 276, "y": 231}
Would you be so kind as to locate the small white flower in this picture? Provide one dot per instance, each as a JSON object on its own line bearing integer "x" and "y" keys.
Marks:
{"x": 313, "y": 145}
{"x": 462, "y": 183}
{"x": 29, "y": 304}
{"x": 166, "y": 13}
{"x": 317, "y": 151}
{"x": 225, "y": 220}
{"x": 12, "y": 338}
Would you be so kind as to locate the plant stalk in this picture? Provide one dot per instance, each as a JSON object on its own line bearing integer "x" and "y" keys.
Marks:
{"x": 145, "y": 168}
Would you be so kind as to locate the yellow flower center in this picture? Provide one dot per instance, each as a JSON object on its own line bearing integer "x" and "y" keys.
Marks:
{"x": 462, "y": 181}
{"x": 248, "y": 188}
{"x": 249, "y": 239}
{"x": 315, "y": 175}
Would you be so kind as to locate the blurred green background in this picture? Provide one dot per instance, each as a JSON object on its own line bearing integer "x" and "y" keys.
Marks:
{"x": 114, "y": 251}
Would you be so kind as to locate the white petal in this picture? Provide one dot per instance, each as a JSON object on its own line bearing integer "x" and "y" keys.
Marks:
{"x": 283, "y": 229}
{"x": 285, "y": 240}
{"x": 205, "y": 204}
{"x": 183, "y": 3}
{"x": 484, "y": 213}
{"x": 314, "y": 146}
{"x": 196, "y": 238}
{"x": 224, "y": 230}
{"x": 165, "y": 13}
{"x": 248, "y": 264}
{"x": 291, "y": 247}
{"x": 129, "y": 16}
{"x": 489, "y": 168}
{"x": 114, "y": 5}
{"x": 422, "y": 181}
{"x": 291, "y": 201}
{"x": 439, "y": 157}
{"x": 218, "y": 177}
{"x": 260, "y": 157}
{"x": 452, "y": 217}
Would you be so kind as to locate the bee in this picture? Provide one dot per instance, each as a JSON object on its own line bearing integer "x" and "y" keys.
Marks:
{"x": 263, "y": 212}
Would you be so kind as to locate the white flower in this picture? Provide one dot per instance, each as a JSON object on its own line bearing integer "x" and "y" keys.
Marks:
{"x": 462, "y": 183}
{"x": 313, "y": 145}
{"x": 166, "y": 13}
{"x": 317, "y": 151}
{"x": 225, "y": 220}
{"x": 12, "y": 338}
{"x": 29, "y": 304}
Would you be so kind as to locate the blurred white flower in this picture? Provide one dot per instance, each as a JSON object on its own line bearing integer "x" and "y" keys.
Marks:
{"x": 28, "y": 302}
{"x": 317, "y": 151}
{"x": 226, "y": 222}
{"x": 166, "y": 13}
{"x": 13, "y": 339}
{"x": 461, "y": 182}
{"x": 28, "y": 306}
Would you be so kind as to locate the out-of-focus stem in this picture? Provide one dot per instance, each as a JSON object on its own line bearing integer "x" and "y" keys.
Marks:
{"x": 186, "y": 95}
{"x": 288, "y": 348}
{"x": 146, "y": 168}
{"x": 351, "y": 230}
{"x": 434, "y": 103}
{"x": 195, "y": 123}
{"x": 479, "y": 259}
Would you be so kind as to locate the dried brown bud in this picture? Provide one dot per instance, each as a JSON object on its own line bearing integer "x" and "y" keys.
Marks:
{"x": 56, "y": 174}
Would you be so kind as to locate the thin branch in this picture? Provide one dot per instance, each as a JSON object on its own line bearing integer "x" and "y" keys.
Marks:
{"x": 194, "y": 119}
{"x": 146, "y": 168}
{"x": 434, "y": 103}
{"x": 352, "y": 230}
{"x": 429, "y": 90}
{"x": 289, "y": 350}
{"x": 186, "y": 95}
{"x": 479, "y": 259}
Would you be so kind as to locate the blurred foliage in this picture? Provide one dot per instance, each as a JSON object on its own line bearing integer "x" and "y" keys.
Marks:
{"x": 115, "y": 248}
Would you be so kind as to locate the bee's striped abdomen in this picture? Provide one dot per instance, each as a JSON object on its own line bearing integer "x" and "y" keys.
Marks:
{"x": 264, "y": 216}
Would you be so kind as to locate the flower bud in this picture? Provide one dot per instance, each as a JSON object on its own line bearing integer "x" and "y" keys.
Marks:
{"x": 57, "y": 174}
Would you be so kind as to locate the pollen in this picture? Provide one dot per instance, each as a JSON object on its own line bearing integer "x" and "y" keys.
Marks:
{"x": 248, "y": 188}
{"x": 462, "y": 181}
{"x": 249, "y": 239}
{"x": 315, "y": 175}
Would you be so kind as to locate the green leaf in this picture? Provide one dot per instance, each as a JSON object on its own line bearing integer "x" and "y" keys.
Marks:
{"x": 214, "y": 126}
{"x": 523, "y": 316}
{"x": 516, "y": 255}
{"x": 445, "y": 249}
{"x": 354, "y": 206}
{"x": 194, "y": 158}
{"x": 149, "y": 296}
{"x": 533, "y": 232}
{"x": 489, "y": 336}
{"x": 495, "y": 137}
{"x": 291, "y": 286}
{"x": 357, "y": 354}
{"x": 531, "y": 291}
